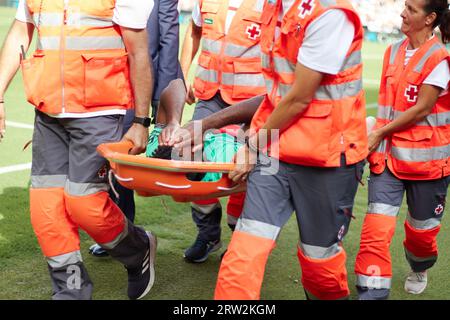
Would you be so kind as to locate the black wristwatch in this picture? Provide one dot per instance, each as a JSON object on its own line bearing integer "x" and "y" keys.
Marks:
{"x": 143, "y": 121}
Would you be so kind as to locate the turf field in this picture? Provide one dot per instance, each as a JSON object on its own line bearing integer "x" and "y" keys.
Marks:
{"x": 23, "y": 271}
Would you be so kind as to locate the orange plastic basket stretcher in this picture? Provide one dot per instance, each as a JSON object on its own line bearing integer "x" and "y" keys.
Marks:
{"x": 153, "y": 177}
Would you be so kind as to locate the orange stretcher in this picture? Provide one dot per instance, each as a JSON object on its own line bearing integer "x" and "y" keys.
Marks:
{"x": 152, "y": 177}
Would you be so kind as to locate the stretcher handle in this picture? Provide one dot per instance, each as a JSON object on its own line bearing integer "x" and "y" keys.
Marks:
{"x": 228, "y": 189}
{"x": 122, "y": 147}
{"x": 171, "y": 186}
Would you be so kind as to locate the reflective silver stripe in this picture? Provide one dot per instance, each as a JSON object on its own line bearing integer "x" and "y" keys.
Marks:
{"x": 339, "y": 91}
{"x": 213, "y": 46}
{"x": 283, "y": 89}
{"x": 91, "y": 21}
{"x": 48, "y": 19}
{"x": 206, "y": 75}
{"x": 265, "y": 61}
{"x": 49, "y": 181}
{"x": 111, "y": 245}
{"x": 425, "y": 57}
{"x": 282, "y": 65}
{"x": 435, "y": 119}
{"x": 84, "y": 189}
{"x": 257, "y": 228}
{"x": 233, "y": 50}
{"x": 394, "y": 50}
{"x": 373, "y": 282}
{"x": 316, "y": 252}
{"x": 48, "y": 43}
{"x": 382, "y": 147}
{"x": 232, "y": 220}
{"x": 385, "y": 112}
{"x": 269, "y": 85}
{"x": 205, "y": 208}
{"x": 421, "y": 155}
{"x": 423, "y": 224}
{"x": 327, "y": 3}
{"x": 352, "y": 60}
{"x": 259, "y": 5}
{"x": 243, "y": 79}
{"x": 432, "y": 120}
{"x": 412, "y": 257}
{"x": 94, "y": 43}
{"x": 383, "y": 209}
{"x": 65, "y": 259}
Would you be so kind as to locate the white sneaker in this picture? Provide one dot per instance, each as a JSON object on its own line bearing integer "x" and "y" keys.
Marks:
{"x": 416, "y": 282}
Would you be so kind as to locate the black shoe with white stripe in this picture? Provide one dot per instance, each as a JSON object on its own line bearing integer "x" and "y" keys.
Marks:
{"x": 141, "y": 279}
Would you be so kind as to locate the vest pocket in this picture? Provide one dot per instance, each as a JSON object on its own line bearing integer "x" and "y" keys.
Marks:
{"x": 204, "y": 74}
{"x": 106, "y": 80}
{"x": 307, "y": 141}
{"x": 32, "y": 72}
{"x": 247, "y": 77}
{"x": 411, "y": 151}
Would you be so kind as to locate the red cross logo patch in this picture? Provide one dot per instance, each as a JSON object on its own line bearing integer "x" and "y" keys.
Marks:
{"x": 306, "y": 8}
{"x": 253, "y": 31}
{"x": 439, "y": 209}
{"x": 102, "y": 172}
{"x": 411, "y": 93}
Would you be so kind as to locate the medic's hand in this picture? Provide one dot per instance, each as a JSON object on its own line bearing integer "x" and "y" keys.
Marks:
{"x": 2, "y": 121}
{"x": 137, "y": 134}
{"x": 245, "y": 160}
{"x": 190, "y": 135}
{"x": 375, "y": 138}
{"x": 190, "y": 97}
{"x": 168, "y": 133}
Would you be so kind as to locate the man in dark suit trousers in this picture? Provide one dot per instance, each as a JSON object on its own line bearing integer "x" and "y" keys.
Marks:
{"x": 163, "y": 32}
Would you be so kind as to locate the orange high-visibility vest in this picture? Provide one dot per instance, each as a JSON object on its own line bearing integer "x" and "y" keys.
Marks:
{"x": 230, "y": 62}
{"x": 422, "y": 151}
{"x": 80, "y": 64}
{"x": 334, "y": 122}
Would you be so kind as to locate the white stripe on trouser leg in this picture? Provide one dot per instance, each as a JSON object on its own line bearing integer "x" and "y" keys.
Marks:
{"x": 373, "y": 282}
{"x": 258, "y": 228}
{"x": 65, "y": 259}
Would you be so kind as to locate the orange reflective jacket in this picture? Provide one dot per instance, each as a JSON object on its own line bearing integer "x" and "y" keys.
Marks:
{"x": 334, "y": 122}
{"x": 420, "y": 152}
{"x": 230, "y": 62}
{"x": 80, "y": 64}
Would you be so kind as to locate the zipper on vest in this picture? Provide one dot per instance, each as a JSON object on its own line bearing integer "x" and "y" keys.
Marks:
{"x": 61, "y": 54}
{"x": 220, "y": 58}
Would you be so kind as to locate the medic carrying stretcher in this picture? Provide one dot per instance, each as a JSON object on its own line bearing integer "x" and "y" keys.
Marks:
{"x": 185, "y": 181}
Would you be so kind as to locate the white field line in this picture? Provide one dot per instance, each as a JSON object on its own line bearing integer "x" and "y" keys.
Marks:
{"x": 19, "y": 125}
{"x": 17, "y": 167}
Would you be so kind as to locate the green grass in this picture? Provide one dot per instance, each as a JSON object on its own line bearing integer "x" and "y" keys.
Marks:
{"x": 23, "y": 273}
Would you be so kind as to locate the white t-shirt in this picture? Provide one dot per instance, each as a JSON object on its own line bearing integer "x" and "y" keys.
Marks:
{"x": 439, "y": 77}
{"x": 127, "y": 13}
{"x": 233, "y": 5}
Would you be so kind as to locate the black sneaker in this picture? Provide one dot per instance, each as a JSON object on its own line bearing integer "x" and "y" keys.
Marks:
{"x": 201, "y": 249}
{"x": 97, "y": 251}
{"x": 141, "y": 279}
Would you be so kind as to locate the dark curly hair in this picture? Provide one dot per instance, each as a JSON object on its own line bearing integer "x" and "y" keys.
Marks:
{"x": 440, "y": 7}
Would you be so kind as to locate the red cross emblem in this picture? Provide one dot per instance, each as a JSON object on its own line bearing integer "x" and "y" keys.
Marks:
{"x": 411, "y": 93}
{"x": 102, "y": 172}
{"x": 253, "y": 31}
{"x": 439, "y": 209}
{"x": 306, "y": 8}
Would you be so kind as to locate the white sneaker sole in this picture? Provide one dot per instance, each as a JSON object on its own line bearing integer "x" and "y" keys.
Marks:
{"x": 153, "y": 243}
{"x": 414, "y": 292}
